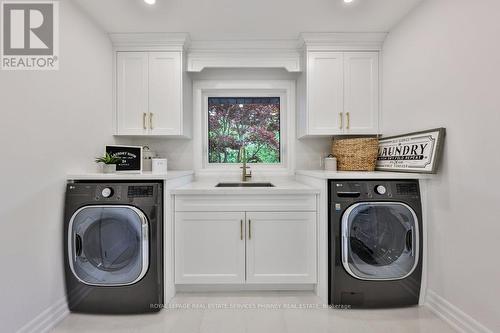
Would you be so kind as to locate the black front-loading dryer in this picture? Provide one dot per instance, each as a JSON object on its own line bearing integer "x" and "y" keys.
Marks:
{"x": 375, "y": 243}
{"x": 113, "y": 247}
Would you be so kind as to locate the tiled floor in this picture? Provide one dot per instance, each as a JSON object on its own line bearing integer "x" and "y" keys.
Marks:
{"x": 273, "y": 312}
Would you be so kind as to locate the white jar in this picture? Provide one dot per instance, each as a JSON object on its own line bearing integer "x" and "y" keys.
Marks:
{"x": 147, "y": 157}
{"x": 330, "y": 163}
{"x": 159, "y": 165}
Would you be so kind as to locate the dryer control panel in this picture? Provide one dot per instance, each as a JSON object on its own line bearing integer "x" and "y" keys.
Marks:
{"x": 140, "y": 191}
{"x": 116, "y": 192}
{"x": 108, "y": 192}
{"x": 355, "y": 190}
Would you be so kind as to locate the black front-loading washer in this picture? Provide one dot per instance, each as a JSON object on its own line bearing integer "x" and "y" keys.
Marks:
{"x": 113, "y": 247}
{"x": 375, "y": 243}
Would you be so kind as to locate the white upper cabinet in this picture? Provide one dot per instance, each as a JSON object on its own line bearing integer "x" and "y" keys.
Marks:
{"x": 341, "y": 94}
{"x": 165, "y": 93}
{"x": 338, "y": 92}
{"x": 153, "y": 95}
{"x": 325, "y": 87}
{"x": 132, "y": 93}
{"x": 361, "y": 92}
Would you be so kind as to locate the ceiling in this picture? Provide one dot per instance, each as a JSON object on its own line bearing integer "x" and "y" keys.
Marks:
{"x": 247, "y": 19}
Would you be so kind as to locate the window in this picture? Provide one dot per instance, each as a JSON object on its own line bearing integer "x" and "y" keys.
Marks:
{"x": 259, "y": 114}
{"x": 250, "y": 122}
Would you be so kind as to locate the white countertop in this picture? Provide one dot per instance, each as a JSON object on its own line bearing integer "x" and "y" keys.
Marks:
{"x": 281, "y": 186}
{"x": 146, "y": 175}
{"x": 362, "y": 175}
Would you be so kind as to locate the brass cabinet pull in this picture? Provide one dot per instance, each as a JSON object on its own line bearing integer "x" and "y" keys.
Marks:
{"x": 151, "y": 120}
{"x": 144, "y": 120}
{"x": 348, "y": 120}
{"x": 241, "y": 229}
{"x": 341, "y": 122}
{"x": 249, "y": 229}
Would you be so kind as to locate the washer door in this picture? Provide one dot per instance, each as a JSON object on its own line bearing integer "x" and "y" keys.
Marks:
{"x": 108, "y": 245}
{"x": 380, "y": 240}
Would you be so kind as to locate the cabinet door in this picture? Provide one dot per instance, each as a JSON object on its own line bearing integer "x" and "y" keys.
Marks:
{"x": 361, "y": 101}
{"x": 131, "y": 93}
{"x": 281, "y": 247}
{"x": 209, "y": 248}
{"x": 325, "y": 93}
{"x": 165, "y": 102}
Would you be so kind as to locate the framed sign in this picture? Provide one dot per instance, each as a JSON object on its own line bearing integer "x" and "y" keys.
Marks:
{"x": 131, "y": 157}
{"x": 413, "y": 152}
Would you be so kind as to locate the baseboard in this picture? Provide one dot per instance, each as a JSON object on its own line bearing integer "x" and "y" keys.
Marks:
{"x": 48, "y": 319}
{"x": 453, "y": 315}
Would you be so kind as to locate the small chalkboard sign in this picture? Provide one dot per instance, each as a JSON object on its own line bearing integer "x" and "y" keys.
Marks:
{"x": 131, "y": 157}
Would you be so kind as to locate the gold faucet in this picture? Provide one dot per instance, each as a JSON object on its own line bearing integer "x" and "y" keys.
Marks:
{"x": 243, "y": 157}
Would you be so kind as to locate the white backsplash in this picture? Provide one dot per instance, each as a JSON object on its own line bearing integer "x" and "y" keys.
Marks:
{"x": 179, "y": 152}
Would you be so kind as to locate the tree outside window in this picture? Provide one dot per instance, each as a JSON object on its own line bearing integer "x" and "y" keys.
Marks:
{"x": 252, "y": 122}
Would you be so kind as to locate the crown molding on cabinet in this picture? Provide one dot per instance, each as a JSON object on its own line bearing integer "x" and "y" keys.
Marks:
{"x": 343, "y": 41}
{"x": 286, "y": 54}
{"x": 245, "y": 44}
{"x": 171, "y": 41}
{"x": 244, "y": 54}
{"x": 197, "y": 61}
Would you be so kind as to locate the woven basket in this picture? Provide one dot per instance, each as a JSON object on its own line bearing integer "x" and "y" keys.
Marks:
{"x": 359, "y": 154}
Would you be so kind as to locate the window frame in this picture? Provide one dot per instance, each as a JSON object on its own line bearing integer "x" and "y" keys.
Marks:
{"x": 203, "y": 89}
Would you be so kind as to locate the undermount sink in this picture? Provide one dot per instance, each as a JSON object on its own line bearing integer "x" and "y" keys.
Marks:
{"x": 244, "y": 185}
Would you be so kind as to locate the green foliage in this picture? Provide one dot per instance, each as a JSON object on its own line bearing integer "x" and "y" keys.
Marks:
{"x": 108, "y": 159}
{"x": 254, "y": 124}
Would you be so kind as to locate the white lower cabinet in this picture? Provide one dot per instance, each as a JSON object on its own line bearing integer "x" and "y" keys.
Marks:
{"x": 245, "y": 247}
{"x": 281, "y": 247}
{"x": 209, "y": 248}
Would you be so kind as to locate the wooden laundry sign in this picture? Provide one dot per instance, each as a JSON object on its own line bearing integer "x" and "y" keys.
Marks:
{"x": 412, "y": 152}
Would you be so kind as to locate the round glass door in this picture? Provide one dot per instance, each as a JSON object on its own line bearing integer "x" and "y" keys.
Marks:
{"x": 380, "y": 240}
{"x": 108, "y": 245}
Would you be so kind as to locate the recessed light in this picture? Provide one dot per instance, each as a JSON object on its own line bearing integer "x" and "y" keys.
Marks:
{"x": 150, "y": 2}
{"x": 348, "y": 1}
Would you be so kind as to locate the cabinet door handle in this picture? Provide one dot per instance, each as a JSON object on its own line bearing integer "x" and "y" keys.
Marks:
{"x": 348, "y": 120}
{"x": 249, "y": 229}
{"x": 151, "y": 120}
{"x": 241, "y": 229}
{"x": 144, "y": 115}
{"x": 341, "y": 120}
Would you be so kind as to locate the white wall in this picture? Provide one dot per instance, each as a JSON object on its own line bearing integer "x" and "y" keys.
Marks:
{"x": 51, "y": 123}
{"x": 442, "y": 68}
{"x": 179, "y": 152}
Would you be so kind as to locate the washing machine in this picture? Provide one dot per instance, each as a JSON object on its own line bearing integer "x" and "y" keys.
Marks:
{"x": 113, "y": 247}
{"x": 375, "y": 243}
